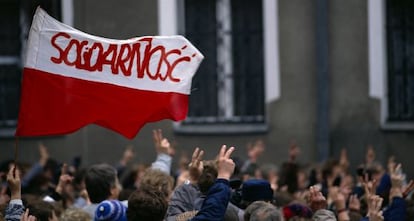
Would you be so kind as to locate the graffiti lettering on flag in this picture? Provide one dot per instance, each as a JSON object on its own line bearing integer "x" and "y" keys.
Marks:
{"x": 92, "y": 57}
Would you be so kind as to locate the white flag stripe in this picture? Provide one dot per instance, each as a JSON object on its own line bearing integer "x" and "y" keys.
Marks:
{"x": 153, "y": 63}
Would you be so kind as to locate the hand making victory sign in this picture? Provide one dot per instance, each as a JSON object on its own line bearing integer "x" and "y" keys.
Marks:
{"x": 225, "y": 164}
{"x": 196, "y": 166}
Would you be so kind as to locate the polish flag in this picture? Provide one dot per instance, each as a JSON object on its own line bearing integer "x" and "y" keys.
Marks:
{"x": 72, "y": 79}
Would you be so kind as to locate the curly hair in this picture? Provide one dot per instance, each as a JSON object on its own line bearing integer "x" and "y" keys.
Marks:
{"x": 155, "y": 179}
{"x": 147, "y": 205}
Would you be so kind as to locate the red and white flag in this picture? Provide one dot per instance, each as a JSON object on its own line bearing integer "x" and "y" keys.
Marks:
{"x": 72, "y": 79}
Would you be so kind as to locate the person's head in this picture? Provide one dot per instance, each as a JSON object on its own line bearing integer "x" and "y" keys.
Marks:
{"x": 315, "y": 176}
{"x": 51, "y": 170}
{"x": 232, "y": 213}
{"x": 376, "y": 170}
{"x": 101, "y": 183}
{"x": 208, "y": 176}
{"x": 332, "y": 172}
{"x": 110, "y": 210}
{"x": 269, "y": 171}
{"x": 255, "y": 190}
{"x": 302, "y": 179}
{"x": 130, "y": 179}
{"x": 43, "y": 211}
{"x": 158, "y": 180}
{"x": 324, "y": 215}
{"x": 147, "y": 205}
{"x": 75, "y": 214}
{"x": 262, "y": 211}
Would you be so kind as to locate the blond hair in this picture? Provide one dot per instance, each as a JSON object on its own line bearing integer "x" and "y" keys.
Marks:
{"x": 75, "y": 214}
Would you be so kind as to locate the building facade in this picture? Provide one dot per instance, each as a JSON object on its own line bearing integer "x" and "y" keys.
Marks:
{"x": 327, "y": 74}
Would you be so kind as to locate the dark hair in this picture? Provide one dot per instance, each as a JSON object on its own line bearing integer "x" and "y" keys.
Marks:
{"x": 79, "y": 179}
{"x": 289, "y": 176}
{"x": 147, "y": 205}
{"x": 40, "y": 209}
{"x": 207, "y": 177}
{"x": 327, "y": 169}
{"x": 99, "y": 180}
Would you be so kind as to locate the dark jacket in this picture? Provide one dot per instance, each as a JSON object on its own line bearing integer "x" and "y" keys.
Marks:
{"x": 396, "y": 211}
{"x": 215, "y": 204}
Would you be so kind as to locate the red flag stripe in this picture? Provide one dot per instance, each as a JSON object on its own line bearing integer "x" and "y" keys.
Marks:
{"x": 56, "y": 105}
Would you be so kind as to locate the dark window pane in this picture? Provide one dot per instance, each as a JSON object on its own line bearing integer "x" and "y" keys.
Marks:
{"x": 9, "y": 94}
{"x": 247, "y": 38}
{"x": 200, "y": 29}
{"x": 52, "y": 7}
{"x": 400, "y": 50}
{"x": 10, "y": 28}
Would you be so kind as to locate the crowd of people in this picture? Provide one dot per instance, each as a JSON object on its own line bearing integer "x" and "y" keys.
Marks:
{"x": 224, "y": 188}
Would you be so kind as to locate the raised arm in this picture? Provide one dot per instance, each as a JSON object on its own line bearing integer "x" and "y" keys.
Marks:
{"x": 15, "y": 209}
{"x": 37, "y": 168}
{"x": 218, "y": 197}
{"x": 397, "y": 209}
{"x": 164, "y": 152}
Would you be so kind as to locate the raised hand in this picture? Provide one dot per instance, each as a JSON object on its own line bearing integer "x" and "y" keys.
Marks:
{"x": 354, "y": 203}
{"x": 369, "y": 186}
{"x": 44, "y": 154}
{"x": 128, "y": 155}
{"x": 225, "y": 165}
{"x": 397, "y": 180}
{"x": 196, "y": 165}
{"x": 316, "y": 200}
{"x": 13, "y": 179}
{"x": 157, "y": 138}
{"x": 374, "y": 208}
{"x": 339, "y": 201}
{"x": 27, "y": 217}
{"x": 64, "y": 179}
{"x": 162, "y": 145}
{"x": 396, "y": 177}
{"x": 337, "y": 197}
{"x": 255, "y": 150}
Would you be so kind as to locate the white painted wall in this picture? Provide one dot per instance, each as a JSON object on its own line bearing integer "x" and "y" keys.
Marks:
{"x": 67, "y": 12}
{"x": 377, "y": 49}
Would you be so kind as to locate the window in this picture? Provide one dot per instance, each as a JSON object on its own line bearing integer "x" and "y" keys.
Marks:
{"x": 400, "y": 60}
{"x": 228, "y": 93}
{"x": 15, "y": 19}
